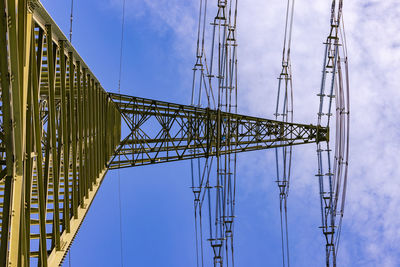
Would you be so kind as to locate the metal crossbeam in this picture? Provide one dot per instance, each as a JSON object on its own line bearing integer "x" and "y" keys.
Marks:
{"x": 162, "y": 132}
{"x": 61, "y": 131}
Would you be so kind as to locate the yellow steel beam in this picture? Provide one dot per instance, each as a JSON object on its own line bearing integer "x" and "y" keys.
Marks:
{"x": 54, "y": 112}
{"x": 56, "y": 256}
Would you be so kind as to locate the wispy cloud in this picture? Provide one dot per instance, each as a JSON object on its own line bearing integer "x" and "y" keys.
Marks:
{"x": 165, "y": 16}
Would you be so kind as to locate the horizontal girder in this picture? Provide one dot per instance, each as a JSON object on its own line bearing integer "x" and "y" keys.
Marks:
{"x": 159, "y": 132}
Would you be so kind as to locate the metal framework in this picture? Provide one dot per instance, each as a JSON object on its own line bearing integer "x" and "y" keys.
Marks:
{"x": 54, "y": 145}
{"x": 61, "y": 132}
{"x": 163, "y": 132}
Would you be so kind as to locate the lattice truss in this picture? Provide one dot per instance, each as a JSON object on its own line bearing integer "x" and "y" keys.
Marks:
{"x": 59, "y": 129}
{"x": 162, "y": 132}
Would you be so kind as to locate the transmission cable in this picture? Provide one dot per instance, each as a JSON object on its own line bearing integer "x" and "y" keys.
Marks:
{"x": 283, "y": 177}
{"x": 119, "y": 91}
{"x": 121, "y": 46}
{"x": 217, "y": 73}
{"x": 199, "y": 172}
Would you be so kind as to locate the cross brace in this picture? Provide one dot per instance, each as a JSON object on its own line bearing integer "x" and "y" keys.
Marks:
{"x": 162, "y": 132}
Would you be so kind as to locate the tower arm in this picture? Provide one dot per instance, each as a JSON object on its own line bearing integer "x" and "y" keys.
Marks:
{"x": 158, "y": 131}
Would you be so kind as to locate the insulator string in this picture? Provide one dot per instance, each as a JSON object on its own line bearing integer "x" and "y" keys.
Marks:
{"x": 332, "y": 167}
{"x": 70, "y": 21}
{"x": 284, "y": 113}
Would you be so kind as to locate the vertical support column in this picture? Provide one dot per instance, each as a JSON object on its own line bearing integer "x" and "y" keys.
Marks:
{"x": 37, "y": 130}
{"x": 8, "y": 135}
{"x": 52, "y": 135}
{"x": 19, "y": 25}
{"x": 65, "y": 136}
{"x": 91, "y": 132}
{"x": 96, "y": 130}
{"x": 79, "y": 193}
{"x": 85, "y": 115}
{"x": 102, "y": 128}
{"x": 73, "y": 131}
{"x": 28, "y": 178}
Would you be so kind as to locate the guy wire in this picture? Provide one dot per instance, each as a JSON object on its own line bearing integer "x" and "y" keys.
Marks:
{"x": 119, "y": 91}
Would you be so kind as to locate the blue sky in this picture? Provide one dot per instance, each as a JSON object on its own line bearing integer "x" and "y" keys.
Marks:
{"x": 159, "y": 51}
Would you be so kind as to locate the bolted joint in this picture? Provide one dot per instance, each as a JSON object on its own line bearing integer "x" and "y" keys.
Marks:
{"x": 322, "y": 134}
{"x": 32, "y": 5}
{"x": 9, "y": 21}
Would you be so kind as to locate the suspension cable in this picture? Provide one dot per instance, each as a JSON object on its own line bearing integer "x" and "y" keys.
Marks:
{"x": 119, "y": 91}
{"x": 121, "y": 46}
{"x": 120, "y": 218}
{"x": 284, "y": 108}
{"x": 199, "y": 173}
{"x": 215, "y": 85}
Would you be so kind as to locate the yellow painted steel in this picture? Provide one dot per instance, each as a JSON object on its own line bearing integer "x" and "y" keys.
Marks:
{"x": 52, "y": 151}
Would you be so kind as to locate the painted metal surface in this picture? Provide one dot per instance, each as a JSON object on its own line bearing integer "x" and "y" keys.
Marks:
{"x": 54, "y": 149}
{"x": 163, "y": 132}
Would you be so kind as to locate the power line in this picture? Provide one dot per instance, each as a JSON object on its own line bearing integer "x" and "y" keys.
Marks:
{"x": 119, "y": 90}
{"x": 284, "y": 112}
{"x": 121, "y": 46}
{"x": 120, "y": 218}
